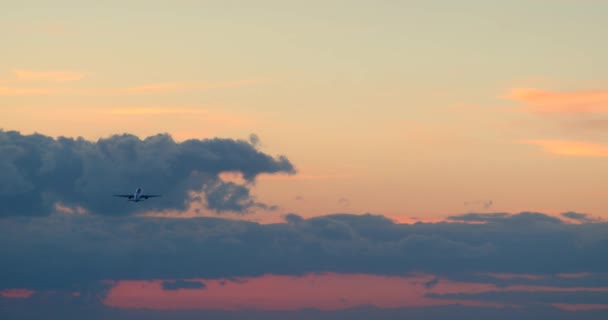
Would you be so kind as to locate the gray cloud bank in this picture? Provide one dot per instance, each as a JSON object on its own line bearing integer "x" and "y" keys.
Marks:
{"x": 182, "y": 284}
{"x": 69, "y": 251}
{"x": 37, "y": 171}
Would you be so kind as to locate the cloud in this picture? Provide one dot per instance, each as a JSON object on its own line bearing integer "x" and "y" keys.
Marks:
{"x": 579, "y": 296}
{"x": 571, "y": 148}
{"x": 170, "y": 87}
{"x": 506, "y": 218}
{"x": 139, "y": 111}
{"x": 20, "y": 91}
{"x": 304, "y": 176}
{"x": 57, "y": 79}
{"x": 70, "y": 307}
{"x": 254, "y": 139}
{"x": 580, "y": 217}
{"x": 48, "y": 75}
{"x": 431, "y": 283}
{"x": 182, "y": 284}
{"x": 67, "y": 251}
{"x": 155, "y": 88}
{"x": 543, "y": 101}
{"x": 38, "y": 172}
{"x": 229, "y": 196}
{"x": 293, "y": 218}
{"x": 16, "y": 293}
{"x": 344, "y": 202}
{"x": 554, "y": 280}
{"x": 486, "y": 204}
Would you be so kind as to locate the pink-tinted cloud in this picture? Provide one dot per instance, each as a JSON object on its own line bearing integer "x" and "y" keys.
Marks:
{"x": 544, "y": 101}
{"x": 17, "y": 293}
{"x": 327, "y": 291}
{"x": 272, "y": 292}
{"x": 514, "y": 276}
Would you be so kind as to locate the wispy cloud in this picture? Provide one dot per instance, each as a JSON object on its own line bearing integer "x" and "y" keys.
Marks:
{"x": 21, "y": 91}
{"x": 304, "y": 176}
{"x": 153, "y": 88}
{"x": 169, "y": 87}
{"x": 153, "y": 111}
{"x": 47, "y": 75}
{"x": 14, "y": 86}
{"x": 544, "y": 101}
{"x": 16, "y": 293}
{"x": 571, "y": 148}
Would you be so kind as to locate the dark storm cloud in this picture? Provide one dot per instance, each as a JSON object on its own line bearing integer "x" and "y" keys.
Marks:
{"x": 37, "y": 171}
{"x": 182, "y": 284}
{"x": 65, "y": 250}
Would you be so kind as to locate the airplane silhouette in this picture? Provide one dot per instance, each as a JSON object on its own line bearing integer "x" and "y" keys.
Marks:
{"x": 137, "y": 196}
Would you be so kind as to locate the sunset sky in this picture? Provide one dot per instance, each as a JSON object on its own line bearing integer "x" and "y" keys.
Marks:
{"x": 259, "y": 121}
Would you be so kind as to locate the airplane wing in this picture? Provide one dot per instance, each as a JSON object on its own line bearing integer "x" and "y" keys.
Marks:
{"x": 124, "y": 195}
{"x": 146, "y": 196}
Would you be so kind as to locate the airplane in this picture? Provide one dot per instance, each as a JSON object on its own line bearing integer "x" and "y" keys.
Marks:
{"x": 137, "y": 196}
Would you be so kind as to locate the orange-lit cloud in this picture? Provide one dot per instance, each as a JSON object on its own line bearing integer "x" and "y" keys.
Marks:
{"x": 48, "y": 75}
{"x": 23, "y": 91}
{"x": 169, "y": 87}
{"x": 543, "y": 101}
{"x": 63, "y": 76}
{"x": 182, "y": 122}
{"x": 154, "y": 88}
{"x": 59, "y": 207}
{"x": 136, "y": 111}
{"x": 304, "y": 176}
{"x": 571, "y": 148}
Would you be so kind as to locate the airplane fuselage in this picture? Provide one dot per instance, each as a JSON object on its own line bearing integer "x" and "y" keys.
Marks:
{"x": 137, "y": 195}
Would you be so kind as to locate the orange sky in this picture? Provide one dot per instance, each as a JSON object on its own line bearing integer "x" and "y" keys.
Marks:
{"x": 486, "y": 104}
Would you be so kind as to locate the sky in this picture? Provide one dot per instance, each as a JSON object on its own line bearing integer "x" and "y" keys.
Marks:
{"x": 316, "y": 159}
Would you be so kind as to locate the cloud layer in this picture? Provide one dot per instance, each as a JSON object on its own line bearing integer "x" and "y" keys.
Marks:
{"x": 64, "y": 250}
{"x": 39, "y": 172}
